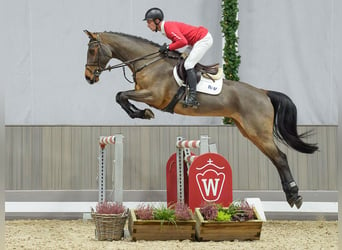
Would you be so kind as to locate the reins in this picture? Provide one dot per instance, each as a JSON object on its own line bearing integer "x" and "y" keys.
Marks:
{"x": 154, "y": 57}
{"x": 126, "y": 63}
{"x": 130, "y": 62}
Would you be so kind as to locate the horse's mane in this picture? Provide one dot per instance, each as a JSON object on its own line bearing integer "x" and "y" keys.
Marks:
{"x": 134, "y": 37}
{"x": 139, "y": 39}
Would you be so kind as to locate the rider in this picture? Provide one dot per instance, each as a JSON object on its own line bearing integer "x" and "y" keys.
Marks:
{"x": 181, "y": 35}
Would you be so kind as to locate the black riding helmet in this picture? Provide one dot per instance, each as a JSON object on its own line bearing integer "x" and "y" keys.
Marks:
{"x": 154, "y": 13}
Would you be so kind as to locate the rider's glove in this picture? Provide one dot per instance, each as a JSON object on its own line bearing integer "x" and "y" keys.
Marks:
{"x": 164, "y": 48}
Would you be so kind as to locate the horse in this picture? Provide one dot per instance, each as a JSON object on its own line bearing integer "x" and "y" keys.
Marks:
{"x": 260, "y": 115}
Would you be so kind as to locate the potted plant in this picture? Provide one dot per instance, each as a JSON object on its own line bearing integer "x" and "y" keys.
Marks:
{"x": 236, "y": 222}
{"x": 110, "y": 219}
{"x": 175, "y": 222}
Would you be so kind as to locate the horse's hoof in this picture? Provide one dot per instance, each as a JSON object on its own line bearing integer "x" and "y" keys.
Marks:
{"x": 291, "y": 203}
{"x": 297, "y": 200}
{"x": 148, "y": 114}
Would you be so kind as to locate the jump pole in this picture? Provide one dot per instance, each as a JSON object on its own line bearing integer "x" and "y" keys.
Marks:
{"x": 185, "y": 146}
{"x": 117, "y": 178}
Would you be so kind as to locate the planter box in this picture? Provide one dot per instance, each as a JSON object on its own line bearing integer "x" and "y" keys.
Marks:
{"x": 158, "y": 230}
{"x": 222, "y": 230}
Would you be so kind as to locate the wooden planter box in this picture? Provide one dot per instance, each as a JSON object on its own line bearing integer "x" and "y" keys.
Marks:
{"x": 158, "y": 230}
{"x": 230, "y": 230}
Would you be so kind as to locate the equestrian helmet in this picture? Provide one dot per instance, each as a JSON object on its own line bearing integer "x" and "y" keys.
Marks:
{"x": 154, "y": 13}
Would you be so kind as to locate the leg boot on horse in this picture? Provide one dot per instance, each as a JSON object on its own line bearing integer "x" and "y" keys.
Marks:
{"x": 191, "y": 100}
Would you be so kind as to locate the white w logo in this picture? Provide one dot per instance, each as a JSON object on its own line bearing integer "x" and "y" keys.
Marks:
{"x": 210, "y": 186}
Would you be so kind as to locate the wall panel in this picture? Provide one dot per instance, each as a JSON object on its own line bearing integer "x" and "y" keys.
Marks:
{"x": 65, "y": 157}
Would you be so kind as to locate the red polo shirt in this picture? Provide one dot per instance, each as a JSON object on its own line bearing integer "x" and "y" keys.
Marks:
{"x": 182, "y": 34}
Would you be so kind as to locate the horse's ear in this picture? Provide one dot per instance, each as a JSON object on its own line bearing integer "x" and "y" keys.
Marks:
{"x": 90, "y": 35}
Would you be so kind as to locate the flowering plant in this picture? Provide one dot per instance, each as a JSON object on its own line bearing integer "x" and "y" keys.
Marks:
{"x": 237, "y": 211}
{"x": 209, "y": 211}
{"x": 182, "y": 211}
{"x": 177, "y": 211}
{"x": 108, "y": 207}
{"x": 144, "y": 212}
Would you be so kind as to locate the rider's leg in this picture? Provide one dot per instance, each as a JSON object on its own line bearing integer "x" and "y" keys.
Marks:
{"x": 191, "y": 100}
{"x": 196, "y": 54}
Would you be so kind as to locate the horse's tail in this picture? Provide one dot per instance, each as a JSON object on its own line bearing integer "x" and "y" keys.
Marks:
{"x": 285, "y": 123}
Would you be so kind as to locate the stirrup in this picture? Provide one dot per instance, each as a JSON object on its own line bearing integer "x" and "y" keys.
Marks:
{"x": 193, "y": 104}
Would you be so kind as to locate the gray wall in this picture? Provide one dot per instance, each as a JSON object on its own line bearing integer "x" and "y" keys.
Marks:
{"x": 286, "y": 45}
{"x": 290, "y": 46}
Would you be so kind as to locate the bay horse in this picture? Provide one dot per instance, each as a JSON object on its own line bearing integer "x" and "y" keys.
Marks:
{"x": 260, "y": 115}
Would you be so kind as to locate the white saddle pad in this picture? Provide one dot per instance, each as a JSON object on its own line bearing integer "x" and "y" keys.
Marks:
{"x": 205, "y": 85}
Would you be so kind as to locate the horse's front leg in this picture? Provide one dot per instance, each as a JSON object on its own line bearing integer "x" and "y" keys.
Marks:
{"x": 137, "y": 95}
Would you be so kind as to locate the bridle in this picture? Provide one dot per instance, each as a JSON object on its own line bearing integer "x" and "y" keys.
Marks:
{"x": 97, "y": 61}
{"x": 154, "y": 57}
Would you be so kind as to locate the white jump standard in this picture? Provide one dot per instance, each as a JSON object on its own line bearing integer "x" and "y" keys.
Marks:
{"x": 117, "y": 179}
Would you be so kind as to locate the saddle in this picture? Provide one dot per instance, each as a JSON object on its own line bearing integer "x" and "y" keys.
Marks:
{"x": 209, "y": 71}
{"x": 212, "y": 72}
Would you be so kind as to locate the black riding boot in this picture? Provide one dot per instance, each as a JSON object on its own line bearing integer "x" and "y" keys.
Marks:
{"x": 191, "y": 100}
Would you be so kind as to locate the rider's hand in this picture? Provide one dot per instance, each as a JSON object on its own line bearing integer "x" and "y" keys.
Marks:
{"x": 164, "y": 48}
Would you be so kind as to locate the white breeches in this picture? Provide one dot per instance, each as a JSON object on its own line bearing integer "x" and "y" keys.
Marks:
{"x": 198, "y": 51}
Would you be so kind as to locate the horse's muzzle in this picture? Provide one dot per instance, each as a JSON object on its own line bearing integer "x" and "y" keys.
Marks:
{"x": 90, "y": 80}
{"x": 90, "y": 76}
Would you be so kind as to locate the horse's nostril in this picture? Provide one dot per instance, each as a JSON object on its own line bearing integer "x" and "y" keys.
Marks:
{"x": 89, "y": 80}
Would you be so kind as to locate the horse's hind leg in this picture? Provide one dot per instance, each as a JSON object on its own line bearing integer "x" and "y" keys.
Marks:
{"x": 290, "y": 187}
{"x": 263, "y": 139}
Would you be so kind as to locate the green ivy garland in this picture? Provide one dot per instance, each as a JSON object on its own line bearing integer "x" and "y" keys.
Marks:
{"x": 231, "y": 57}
